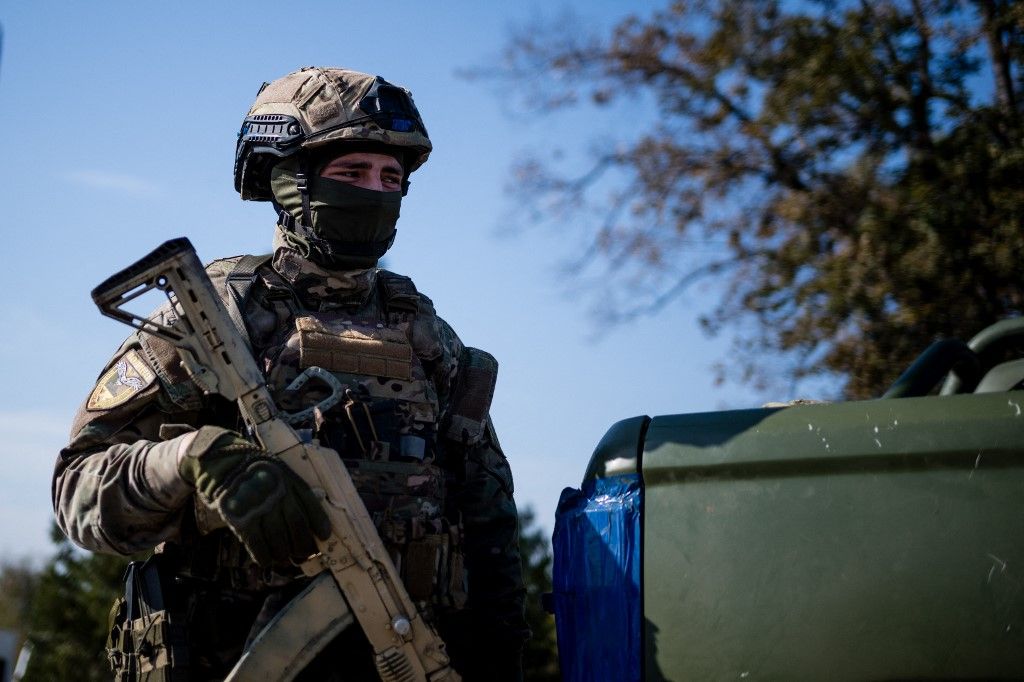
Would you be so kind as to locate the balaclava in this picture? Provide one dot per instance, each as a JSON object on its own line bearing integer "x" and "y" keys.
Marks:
{"x": 351, "y": 227}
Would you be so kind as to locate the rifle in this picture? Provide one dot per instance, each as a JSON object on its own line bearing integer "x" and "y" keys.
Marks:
{"x": 354, "y": 576}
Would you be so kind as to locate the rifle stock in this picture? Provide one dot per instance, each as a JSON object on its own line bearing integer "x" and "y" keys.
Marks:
{"x": 217, "y": 358}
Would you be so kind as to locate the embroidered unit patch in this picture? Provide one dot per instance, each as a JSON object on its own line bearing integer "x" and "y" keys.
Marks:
{"x": 129, "y": 376}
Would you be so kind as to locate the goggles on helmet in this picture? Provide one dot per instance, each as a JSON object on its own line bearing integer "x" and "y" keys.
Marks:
{"x": 391, "y": 108}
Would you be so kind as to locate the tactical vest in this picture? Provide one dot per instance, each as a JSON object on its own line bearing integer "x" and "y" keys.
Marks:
{"x": 361, "y": 386}
{"x": 362, "y": 381}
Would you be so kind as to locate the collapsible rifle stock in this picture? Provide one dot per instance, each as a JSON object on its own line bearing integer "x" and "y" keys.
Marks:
{"x": 354, "y": 574}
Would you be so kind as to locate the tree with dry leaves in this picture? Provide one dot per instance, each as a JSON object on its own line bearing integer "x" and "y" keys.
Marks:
{"x": 850, "y": 174}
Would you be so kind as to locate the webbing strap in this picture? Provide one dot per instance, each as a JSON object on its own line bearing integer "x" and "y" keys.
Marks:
{"x": 239, "y": 283}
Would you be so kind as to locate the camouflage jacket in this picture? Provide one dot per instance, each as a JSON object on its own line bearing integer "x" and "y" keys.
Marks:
{"x": 412, "y": 426}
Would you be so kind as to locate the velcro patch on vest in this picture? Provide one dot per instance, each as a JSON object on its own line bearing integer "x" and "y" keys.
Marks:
{"x": 129, "y": 376}
{"x": 379, "y": 352}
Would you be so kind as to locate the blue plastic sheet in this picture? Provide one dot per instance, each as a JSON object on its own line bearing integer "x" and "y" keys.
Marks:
{"x": 596, "y": 581}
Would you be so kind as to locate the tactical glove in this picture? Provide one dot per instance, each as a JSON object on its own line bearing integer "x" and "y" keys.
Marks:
{"x": 271, "y": 510}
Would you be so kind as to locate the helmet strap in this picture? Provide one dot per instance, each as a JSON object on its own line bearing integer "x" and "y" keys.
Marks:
{"x": 302, "y": 184}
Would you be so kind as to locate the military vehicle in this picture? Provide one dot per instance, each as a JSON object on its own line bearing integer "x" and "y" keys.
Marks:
{"x": 867, "y": 540}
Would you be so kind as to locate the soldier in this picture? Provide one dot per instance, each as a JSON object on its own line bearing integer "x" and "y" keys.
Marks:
{"x": 360, "y": 360}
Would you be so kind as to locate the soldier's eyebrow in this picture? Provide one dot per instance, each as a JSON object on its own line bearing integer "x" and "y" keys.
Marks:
{"x": 366, "y": 165}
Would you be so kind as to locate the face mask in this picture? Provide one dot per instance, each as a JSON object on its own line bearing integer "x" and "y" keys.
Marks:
{"x": 352, "y": 227}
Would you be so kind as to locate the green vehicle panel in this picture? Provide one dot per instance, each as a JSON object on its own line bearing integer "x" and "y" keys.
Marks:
{"x": 865, "y": 540}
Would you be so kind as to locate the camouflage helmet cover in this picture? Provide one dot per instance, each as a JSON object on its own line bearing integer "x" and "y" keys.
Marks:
{"x": 314, "y": 107}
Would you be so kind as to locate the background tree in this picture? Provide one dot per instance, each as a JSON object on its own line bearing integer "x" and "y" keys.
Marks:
{"x": 18, "y": 581}
{"x": 854, "y": 168}
{"x": 540, "y": 658}
{"x": 70, "y": 605}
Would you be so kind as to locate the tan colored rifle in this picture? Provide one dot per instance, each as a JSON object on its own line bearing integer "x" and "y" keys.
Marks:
{"x": 354, "y": 574}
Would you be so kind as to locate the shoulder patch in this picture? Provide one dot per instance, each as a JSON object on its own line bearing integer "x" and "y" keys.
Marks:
{"x": 128, "y": 377}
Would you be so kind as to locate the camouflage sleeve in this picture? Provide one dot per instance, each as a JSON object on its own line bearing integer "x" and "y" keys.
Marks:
{"x": 116, "y": 486}
{"x": 494, "y": 626}
{"x": 495, "y": 573}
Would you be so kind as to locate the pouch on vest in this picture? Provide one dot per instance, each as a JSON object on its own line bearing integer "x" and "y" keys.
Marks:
{"x": 406, "y": 502}
{"x": 145, "y": 642}
{"x": 471, "y": 402}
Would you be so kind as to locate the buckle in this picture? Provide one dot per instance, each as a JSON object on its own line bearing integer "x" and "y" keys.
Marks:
{"x": 285, "y": 219}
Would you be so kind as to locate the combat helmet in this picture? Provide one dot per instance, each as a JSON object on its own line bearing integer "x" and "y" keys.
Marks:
{"x": 315, "y": 107}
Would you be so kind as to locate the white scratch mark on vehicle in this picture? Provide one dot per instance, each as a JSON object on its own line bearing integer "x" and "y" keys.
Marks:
{"x": 997, "y": 563}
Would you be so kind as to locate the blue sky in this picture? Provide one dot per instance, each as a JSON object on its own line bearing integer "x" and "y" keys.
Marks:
{"x": 119, "y": 122}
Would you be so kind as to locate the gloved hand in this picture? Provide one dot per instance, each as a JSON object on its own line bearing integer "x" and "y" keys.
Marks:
{"x": 271, "y": 510}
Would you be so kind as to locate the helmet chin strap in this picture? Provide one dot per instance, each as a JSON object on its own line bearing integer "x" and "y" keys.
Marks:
{"x": 302, "y": 183}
